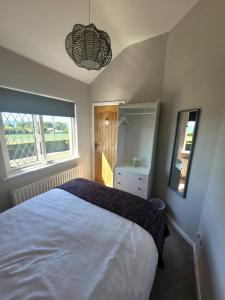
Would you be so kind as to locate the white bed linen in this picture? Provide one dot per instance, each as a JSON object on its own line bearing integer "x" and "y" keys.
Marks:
{"x": 59, "y": 247}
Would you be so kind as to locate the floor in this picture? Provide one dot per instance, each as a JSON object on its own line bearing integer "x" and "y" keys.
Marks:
{"x": 177, "y": 280}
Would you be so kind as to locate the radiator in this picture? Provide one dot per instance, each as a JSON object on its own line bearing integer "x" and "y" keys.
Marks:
{"x": 25, "y": 192}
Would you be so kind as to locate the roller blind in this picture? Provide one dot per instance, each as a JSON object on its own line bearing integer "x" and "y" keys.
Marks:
{"x": 21, "y": 102}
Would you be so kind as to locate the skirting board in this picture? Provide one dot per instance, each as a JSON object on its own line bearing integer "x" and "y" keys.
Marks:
{"x": 198, "y": 287}
{"x": 193, "y": 245}
{"x": 181, "y": 232}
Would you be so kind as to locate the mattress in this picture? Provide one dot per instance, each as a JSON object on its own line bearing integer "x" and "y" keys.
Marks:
{"x": 58, "y": 246}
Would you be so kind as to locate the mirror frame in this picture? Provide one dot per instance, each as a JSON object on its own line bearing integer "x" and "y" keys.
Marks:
{"x": 174, "y": 154}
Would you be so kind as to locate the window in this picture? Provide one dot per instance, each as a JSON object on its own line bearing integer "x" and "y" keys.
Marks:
{"x": 57, "y": 133}
{"x": 29, "y": 139}
{"x": 188, "y": 139}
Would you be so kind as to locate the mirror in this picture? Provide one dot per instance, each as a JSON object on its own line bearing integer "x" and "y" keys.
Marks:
{"x": 187, "y": 124}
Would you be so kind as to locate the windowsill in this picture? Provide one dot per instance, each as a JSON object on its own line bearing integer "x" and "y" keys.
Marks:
{"x": 32, "y": 169}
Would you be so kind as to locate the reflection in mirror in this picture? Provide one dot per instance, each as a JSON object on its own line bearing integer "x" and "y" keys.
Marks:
{"x": 187, "y": 124}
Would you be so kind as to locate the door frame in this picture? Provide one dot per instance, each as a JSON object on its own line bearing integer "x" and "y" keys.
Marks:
{"x": 94, "y": 104}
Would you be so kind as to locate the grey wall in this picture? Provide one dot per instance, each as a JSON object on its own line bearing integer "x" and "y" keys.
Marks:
{"x": 193, "y": 57}
{"x": 20, "y": 73}
{"x": 211, "y": 261}
{"x": 194, "y": 78}
{"x": 185, "y": 69}
{"x": 135, "y": 75}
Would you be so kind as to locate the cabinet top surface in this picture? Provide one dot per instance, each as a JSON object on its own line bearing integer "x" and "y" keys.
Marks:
{"x": 140, "y": 105}
{"x": 138, "y": 170}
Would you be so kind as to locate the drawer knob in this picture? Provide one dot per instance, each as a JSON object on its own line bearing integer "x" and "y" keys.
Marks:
{"x": 119, "y": 173}
{"x": 139, "y": 189}
{"x": 118, "y": 182}
{"x": 140, "y": 178}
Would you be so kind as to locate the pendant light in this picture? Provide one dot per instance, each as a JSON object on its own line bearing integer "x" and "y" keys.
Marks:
{"x": 89, "y": 47}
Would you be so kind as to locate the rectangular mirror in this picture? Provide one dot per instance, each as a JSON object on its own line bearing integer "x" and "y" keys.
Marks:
{"x": 187, "y": 124}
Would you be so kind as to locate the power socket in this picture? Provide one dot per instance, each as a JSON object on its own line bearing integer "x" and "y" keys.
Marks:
{"x": 199, "y": 240}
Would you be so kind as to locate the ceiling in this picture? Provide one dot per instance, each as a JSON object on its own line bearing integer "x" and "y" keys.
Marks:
{"x": 37, "y": 29}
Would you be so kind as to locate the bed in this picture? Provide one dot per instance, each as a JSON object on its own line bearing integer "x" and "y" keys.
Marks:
{"x": 59, "y": 246}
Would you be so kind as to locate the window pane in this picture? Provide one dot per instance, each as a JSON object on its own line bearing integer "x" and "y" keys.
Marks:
{"x": 20, "y": 138}
{"x": 189, "y": 135}
{"x": 57, "y": 137}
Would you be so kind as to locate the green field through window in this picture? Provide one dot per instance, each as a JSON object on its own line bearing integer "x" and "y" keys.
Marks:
{"x": 27, "y": 138}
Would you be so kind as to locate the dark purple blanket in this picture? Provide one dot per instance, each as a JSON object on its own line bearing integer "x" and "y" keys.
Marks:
{"x": 126, "y": 205}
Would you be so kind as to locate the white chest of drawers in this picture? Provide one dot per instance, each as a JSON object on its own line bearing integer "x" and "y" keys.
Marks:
{"x": 132, "y": 180}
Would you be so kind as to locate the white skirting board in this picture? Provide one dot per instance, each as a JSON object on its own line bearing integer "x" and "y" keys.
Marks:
{"x": 181, "y": 232}
{"x": 198, "y": 286}
{"x": 193, "y": 245}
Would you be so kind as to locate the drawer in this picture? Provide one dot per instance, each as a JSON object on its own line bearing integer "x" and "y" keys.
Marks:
{"x": 141, "y": 178}
{"x": 141, "y": 193}
{"x": 128, "y": 180}
{"x": 121, "y": 182}
{"x": 120, "y": 186}
{"x": 120, "y": 173}
{"x": 140, "y": 190}
{"x": 131, "y": 184}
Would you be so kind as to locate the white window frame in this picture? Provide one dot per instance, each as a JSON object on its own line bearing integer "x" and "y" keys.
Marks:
{"x": 40, "y": 143}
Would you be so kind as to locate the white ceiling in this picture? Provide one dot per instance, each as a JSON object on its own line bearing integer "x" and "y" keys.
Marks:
{"x": 37, "y": 29}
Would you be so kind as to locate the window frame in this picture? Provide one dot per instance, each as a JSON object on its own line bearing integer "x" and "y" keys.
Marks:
{"x": 40, "y": 144}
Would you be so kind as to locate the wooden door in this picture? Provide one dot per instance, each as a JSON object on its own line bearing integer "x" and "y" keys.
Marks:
{"x": 105, "y": 138}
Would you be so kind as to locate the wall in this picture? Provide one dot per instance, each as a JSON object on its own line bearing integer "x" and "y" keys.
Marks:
{"x": 135, "y": 75}
{"x": 193, "y": 57}
{"x": 194, "y": 78}
{"x": 211, "y": 262}
{"x": 21, "y": 73}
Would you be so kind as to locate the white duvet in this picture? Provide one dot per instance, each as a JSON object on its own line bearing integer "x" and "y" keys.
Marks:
{"x": 59, "y": 247}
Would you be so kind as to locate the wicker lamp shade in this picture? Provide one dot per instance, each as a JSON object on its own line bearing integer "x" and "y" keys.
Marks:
{"x": 89, "y": 47}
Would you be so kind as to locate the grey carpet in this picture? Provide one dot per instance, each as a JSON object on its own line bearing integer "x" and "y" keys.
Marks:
{"x": 177, "y": 280}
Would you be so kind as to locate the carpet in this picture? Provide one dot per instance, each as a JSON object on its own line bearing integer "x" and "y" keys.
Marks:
{"x": 177, "y": 280}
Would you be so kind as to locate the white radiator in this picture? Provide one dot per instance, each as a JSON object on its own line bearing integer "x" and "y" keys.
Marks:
{"x": 22, "y": 193}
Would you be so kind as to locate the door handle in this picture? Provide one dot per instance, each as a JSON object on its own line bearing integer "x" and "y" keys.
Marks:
{"x": 96, "y": 146}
